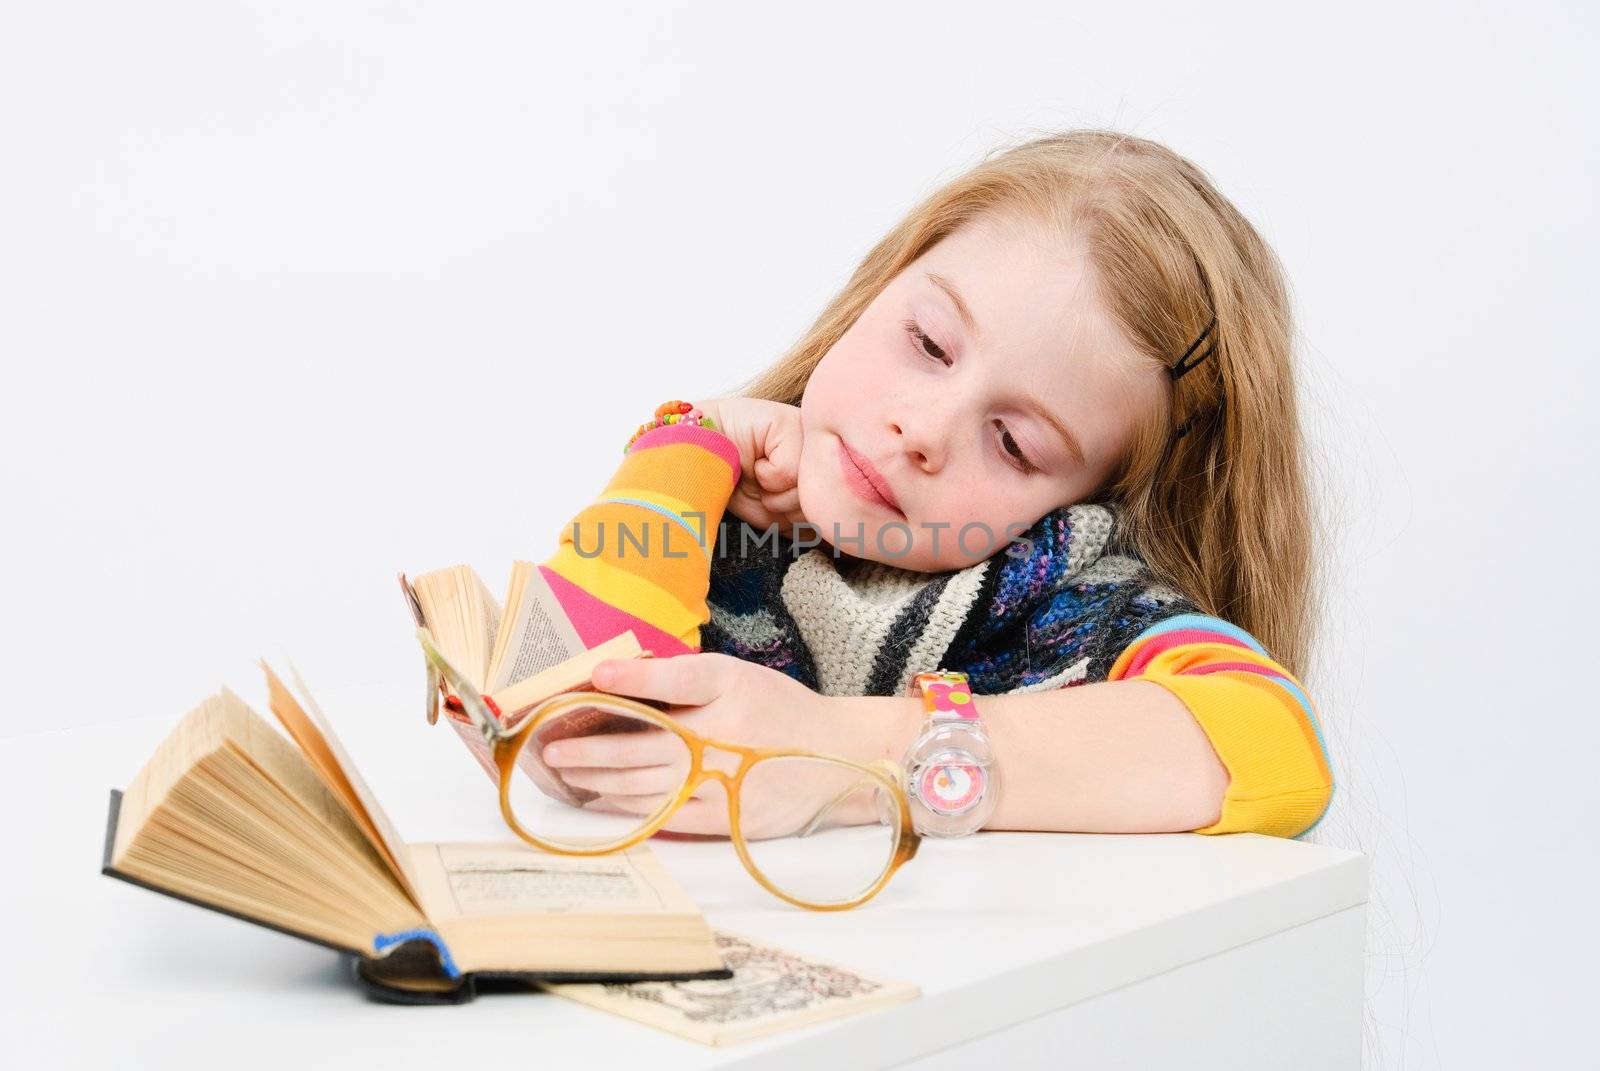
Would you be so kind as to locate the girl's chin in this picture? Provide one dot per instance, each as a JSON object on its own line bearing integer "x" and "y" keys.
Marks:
{"x": 858, "y": 535}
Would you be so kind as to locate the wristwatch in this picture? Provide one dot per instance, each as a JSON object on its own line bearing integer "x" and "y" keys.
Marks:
{"x": 952, "y": 782}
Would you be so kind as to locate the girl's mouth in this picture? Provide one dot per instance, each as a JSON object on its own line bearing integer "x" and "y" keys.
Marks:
{"x": 864, "y": 480}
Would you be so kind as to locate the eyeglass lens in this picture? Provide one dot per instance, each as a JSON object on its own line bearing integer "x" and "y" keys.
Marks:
{"x": 820, "y": 831}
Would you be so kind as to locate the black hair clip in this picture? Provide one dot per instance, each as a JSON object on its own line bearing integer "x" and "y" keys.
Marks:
{"x": 1177, "y": 370}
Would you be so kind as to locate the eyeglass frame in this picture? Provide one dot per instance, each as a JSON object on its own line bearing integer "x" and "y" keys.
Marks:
{"x": 507, "y": 744}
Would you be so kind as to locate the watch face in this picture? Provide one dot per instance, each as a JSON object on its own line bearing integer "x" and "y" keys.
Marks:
{"x": 951, "y": 783}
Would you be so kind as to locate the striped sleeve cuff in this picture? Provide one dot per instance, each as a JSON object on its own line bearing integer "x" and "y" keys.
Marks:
{"x": 1258, "y": 718}
{"x": 639, "y": 556}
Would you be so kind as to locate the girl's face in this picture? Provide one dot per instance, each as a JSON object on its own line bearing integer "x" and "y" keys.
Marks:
{"x": 983, "y": 387}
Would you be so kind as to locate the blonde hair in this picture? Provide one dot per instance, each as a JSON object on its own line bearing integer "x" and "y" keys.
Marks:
{"x": 1221, "y": 512}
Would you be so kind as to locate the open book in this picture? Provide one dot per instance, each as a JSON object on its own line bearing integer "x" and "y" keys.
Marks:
{"x": 516, "y": 657}
{"x": 230, "y": 815}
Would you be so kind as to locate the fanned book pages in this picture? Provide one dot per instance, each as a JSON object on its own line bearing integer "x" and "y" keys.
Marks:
{"x": 772, "y": 989}
{"x": 284, "y": 832}
{"x": 519, "y": 656}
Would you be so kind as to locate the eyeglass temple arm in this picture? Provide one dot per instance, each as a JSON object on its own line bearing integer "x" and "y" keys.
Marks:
{"x": 471, "y": 700}
{"x": 884, "y": 766}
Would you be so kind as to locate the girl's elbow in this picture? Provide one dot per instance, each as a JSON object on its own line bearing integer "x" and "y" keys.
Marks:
{"x": 1205, "y": 795}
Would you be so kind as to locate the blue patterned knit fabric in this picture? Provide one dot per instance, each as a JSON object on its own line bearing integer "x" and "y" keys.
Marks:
{"x": 1055, "y": 616}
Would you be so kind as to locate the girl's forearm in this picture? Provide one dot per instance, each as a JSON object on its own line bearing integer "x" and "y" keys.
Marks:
{"x": 1115, "y": 757}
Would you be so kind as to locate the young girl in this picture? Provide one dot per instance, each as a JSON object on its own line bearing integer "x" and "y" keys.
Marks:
{"x": 1045, "y": 436}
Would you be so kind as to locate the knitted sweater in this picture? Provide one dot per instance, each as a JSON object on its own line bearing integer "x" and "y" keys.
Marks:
{"x": 655, "y": 553}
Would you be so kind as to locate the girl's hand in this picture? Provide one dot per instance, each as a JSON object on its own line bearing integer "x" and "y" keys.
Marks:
{"x": 722, "y": 698}
{"x": 768, "y": 436}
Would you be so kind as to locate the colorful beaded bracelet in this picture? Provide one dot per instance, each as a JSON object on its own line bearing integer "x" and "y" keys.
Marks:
{"x": 673, "y": 412}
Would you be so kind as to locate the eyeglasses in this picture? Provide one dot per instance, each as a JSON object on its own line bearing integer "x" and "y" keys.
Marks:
{"x": 827, "y": 835}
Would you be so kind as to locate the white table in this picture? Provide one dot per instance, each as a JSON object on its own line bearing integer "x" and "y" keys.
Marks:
{"x": 1059, "y": 950}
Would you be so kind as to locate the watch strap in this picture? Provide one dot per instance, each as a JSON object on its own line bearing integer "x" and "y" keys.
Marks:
{"x": 945, "y": 694}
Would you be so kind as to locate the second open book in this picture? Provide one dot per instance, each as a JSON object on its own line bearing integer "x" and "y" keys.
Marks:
{"x": 519, "y": 655}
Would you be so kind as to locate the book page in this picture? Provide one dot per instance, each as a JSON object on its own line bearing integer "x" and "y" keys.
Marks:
{"x": 412, "y": 604}
{"x": 312, "y": 732}
{"x": 510, "y": 906}
{"x": 461, "y": 614}
{"x": 512, "y": 878}
{"x": 772, "y": 989}
{"x": 571, "y": 675}
{"x": 218, "y": 721}
{"x": 535, "y": 632}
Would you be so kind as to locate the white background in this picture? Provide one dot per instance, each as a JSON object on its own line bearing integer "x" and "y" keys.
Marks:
{"x": 296, "y": 296}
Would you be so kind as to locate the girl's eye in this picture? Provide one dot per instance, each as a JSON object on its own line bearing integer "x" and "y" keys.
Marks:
{"x": 1014, "y": 450}
{"x": 923, "y": 344}
{"x": 927, "y": 347}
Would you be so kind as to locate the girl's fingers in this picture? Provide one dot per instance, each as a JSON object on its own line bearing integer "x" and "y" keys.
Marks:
{"x": 613, "y": 805}
{"x": 783, "y": 503}
{"x": 640, "y": 781}
{"x": 782, "y": 448}
{"x": 702, "y": 816}
{"x": 680, "y": 680}
{"x": 771, "y": 477}
{"x": 643, "y": 806}
{"x": 653, "y": 747}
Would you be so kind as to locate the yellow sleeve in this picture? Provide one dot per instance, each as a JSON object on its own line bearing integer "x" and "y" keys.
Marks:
{"x": 1255, "y": 713}
{"x": 639, "y": 556}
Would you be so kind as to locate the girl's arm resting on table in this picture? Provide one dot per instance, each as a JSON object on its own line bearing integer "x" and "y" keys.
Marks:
{"x": 1115, "y": 757}
{"x": 1257, "y": 716}
{"x": 1195, "y": 729}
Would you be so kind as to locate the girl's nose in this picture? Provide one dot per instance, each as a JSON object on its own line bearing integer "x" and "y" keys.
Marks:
{"x": 923, "y": 446}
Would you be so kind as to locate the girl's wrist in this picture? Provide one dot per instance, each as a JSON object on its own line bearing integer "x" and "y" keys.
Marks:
{"x": 865, "y": 728}
{"x": 736, "y": 425}
{"x": 711, "y": 409}
{"x": 674, "y": 412}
